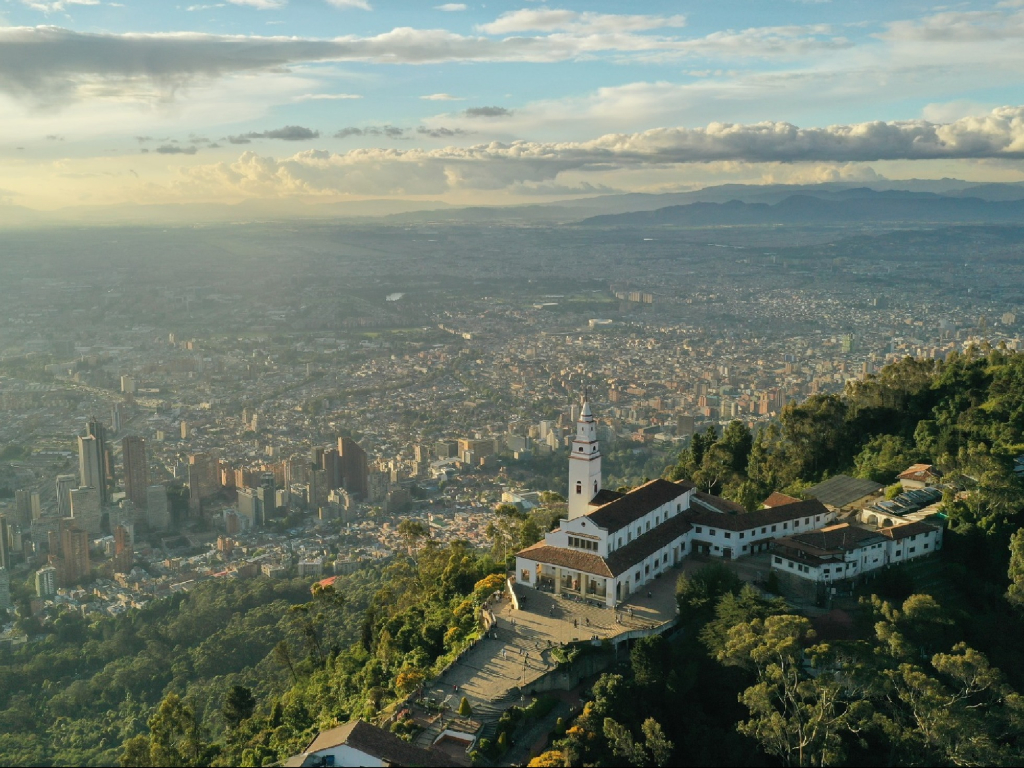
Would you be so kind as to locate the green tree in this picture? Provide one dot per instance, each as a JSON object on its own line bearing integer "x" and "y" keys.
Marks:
{"x": 177, "y": 738}
{"x": 1015, "y": 594}
{"x": 797, "y": 717}
{"x": 465, "y": 710}
{"x": 239, "y": 704}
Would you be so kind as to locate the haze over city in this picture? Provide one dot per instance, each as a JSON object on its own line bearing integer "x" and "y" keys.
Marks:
{"x": 519, "y": 383}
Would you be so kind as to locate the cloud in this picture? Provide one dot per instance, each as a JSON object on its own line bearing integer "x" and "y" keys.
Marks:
{"x": 327, "y": 96}
{"x": 57, "y": 5}
{"x": 363, "y": 4}
{"x": 997, "y": 135}
{"x": 449, "y": 7}
{"x": 440, "y": 132}
{"x": 288, "y": 133}
{"x": 553, "y": 20}
{"x": 262, "y": 5}
{"x": 54, "y": 66}
{"x": 171, "y": 149}
{"x": 441, "y": 97}
{"x": 487, "y": 112}
{"x": 389, "y": 131}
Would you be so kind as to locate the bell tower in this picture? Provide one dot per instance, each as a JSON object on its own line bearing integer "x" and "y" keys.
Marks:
{"x": 584, "y": 464}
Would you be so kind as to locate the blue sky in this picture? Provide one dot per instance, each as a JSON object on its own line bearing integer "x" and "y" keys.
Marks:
{"x": 339, "y": 99}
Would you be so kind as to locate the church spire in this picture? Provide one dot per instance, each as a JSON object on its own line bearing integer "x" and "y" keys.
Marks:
{"x": 584, "y": 463}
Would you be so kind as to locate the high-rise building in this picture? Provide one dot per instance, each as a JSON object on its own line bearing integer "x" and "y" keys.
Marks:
{"x": 331, "y": 465}
{"x": 116, "y": 417}
{"x": 267, "y": 494}
{"x": 185, "y": 430}
{"x": 158, "y": 513}
{"x": 46, "y": 582}
{"x": 36, "y": 505}
{"x": 90, "y": 462}
{"x": 74, "y": 546}
{"x": 23, "y": 507}
{"x": 124, "y": 552}
{"x": 86, "y": 511}
{"x": 5, "y": 589}
{"x": 136, "y": 469}
{"x": 5, "y": 551}
{"x": 64, "y": 485}
{"x": 232, "y": 525}
{"x": 204, "y": 473}
{"x": 128, "y": 385}
{"x": 94, "y": 428}
{"x": 354, "y": 469}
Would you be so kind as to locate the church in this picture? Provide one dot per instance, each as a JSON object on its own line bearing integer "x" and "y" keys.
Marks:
{"x": 612, "y": 544}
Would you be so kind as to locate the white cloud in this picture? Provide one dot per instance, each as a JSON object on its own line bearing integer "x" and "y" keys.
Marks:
{"x": 502, "y": 166}
{"x": 449, "y": 7}
{"x": 327, "y": 96}
{"x": 554, "y": 20}
{"x": 441, "y": 97}
{"x": 262, "y": 5}
{"x": 363, "y": 4}
{"x": 56, "y": 5}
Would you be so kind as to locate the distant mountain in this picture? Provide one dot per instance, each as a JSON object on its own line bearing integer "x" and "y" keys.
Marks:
{"x": 853, "y": 206}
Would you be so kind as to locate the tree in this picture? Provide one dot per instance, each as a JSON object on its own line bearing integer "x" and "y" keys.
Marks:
{"x": 796, "y": 717}
{"x": 239, "y": 704}
{"x": 412, "y": 531}
{"x": 553, "y": 758}
{"x": 177, "y": 738}
{"x": 135, "y": 752}
{"x": 1015, "y": 594}
{"x": 465, "y": 710}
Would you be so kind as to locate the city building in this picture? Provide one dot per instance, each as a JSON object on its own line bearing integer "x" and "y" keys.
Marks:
{"x": 5, "y": 547}
{"x": 354, "y": 467}
{"x": 158, "y": 513}
{"x": 358, "y": 744}
{"x": 85, "y": 509}
{"x": 65, "y": 483}
{"x": 90, "y": 462}
{"x": 136, "y": 469}
{"x": 5, "y": 589}
{"x": 46, "y": 582}
{"x": 124, "y": 551}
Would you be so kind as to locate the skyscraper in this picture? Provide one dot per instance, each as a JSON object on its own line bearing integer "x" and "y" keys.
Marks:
{"x": 94, "y": 428}
{"x": 85, "y": 510}
{"x": 64, "y": 485}
{"x": 354, "y": 469}
{"x": 46, "y": 582}
{"x": 157, "y": 511}
{"x": 5, "y": 552}
{"x": 136, "y": 469}
{"x": 74, "y": 545}
{"x": 23, "y": 508}
{"x": 124, "y": 553}
{"x": 331, "y": 464}
{"x": 5, "y": 589}
{"x": 90, "y": 462}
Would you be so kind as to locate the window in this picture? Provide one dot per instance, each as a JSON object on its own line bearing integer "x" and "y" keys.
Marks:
{"x": 711, "y": 531}
{"x": 741, "y": 534}
{"x": 807, "y": 521}
{"x": 679, "y": 507}
{"x": 784, "y": 526}
{"x": 899, "y": 552}
{"x": 579, "y": 487}
{"x": 581, "y": 449}
{"x": 595, "y": 487}
{"x": 912, "y": 550}
{"x": 728, "y": 535}
{"x": 926, "y": 546}
{"x": 699, "y": 529}
{"x": 789, "y": 564}
{"x": 648, "y": 525}
{"x": 636, "y": 576}
{"x": 639, "y": 530}
{"x": 620, "y": 541}
{"x": 656, "y": 561}
{"x": 778, "y": 560}
{"x": 744, "y": 547}
{"x": 817, "y": 518}
{"x": 629, "y": 535}
{"x": 647, "y": 569}
{"x": 773, "y": 528}
{"x": 765, "y": 530}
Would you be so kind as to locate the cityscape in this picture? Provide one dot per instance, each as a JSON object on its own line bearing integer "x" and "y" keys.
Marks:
{"x": 511, "y": 384}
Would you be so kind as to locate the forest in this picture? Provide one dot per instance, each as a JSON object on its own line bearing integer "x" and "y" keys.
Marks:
{"x": 245, "y": 672}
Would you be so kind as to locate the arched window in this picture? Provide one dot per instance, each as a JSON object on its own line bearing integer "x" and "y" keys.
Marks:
{"x": 595, "y": 486}
{"x": 579, "y": 487}
{"x": 581, "y": 449}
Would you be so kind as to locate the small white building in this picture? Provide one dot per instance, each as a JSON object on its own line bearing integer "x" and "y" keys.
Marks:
{"x": 844, "y": 551}
{"x": 361, "y": 744}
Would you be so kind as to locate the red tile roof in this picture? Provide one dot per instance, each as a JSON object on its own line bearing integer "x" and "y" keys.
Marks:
{"x": 779, "y": 500}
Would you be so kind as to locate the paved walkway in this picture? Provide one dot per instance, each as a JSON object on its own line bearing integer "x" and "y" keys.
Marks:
{"x": 518, "y": 649}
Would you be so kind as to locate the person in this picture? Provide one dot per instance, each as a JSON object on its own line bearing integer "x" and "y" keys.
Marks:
{"x": 587, "y": 619}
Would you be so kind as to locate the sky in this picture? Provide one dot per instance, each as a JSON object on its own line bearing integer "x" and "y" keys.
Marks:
{"x": 132, "y": 102}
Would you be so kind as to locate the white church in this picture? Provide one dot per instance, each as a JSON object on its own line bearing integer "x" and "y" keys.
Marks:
{"x": 612, "y": 544}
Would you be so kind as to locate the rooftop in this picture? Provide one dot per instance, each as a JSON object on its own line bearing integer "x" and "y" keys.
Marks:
{"x": 841, "y": 490}
{"x": 637, "y": 503}
{"x": 370, "y": 740}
